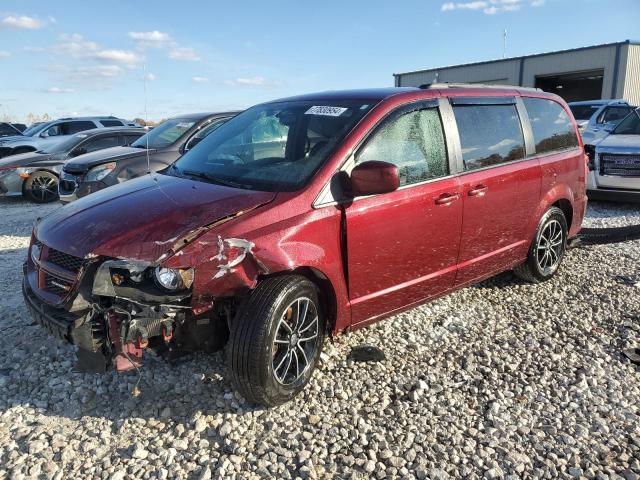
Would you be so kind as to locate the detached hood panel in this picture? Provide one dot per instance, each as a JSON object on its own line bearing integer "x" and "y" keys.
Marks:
{"x": 621, "y": 143}
{"x": 142, "y": 219}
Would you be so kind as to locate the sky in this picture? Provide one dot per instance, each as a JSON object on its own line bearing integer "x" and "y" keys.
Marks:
{"x": 91, "y": 58}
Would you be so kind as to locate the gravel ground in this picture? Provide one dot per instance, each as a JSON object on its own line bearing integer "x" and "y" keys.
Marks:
{"x": 501, "y": 380}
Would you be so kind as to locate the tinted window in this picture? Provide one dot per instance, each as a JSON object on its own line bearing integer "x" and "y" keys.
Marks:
{"x": 552, "y": 127}
{"x": 6, "y": 129}
{"x": 69, "y": 128}
{"x": 111, "y": 123}
{"x": 100, "y": 143}
{"x": 129, "y": 138}
{"x": 414, "y": 142}
{"x": 614, "y": 114}
{"x": 629, "y": 126}
{"x": 489, "y": 134}
{"x": 274, "y": 146}
{"x": 583, "y": 112}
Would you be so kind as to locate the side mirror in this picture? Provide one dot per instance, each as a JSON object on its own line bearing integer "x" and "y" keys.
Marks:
{"x": 374, "y": 177}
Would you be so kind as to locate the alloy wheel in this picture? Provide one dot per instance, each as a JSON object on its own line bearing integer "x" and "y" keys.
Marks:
{"x": 44, "y": 188}
{"x": 295, "y": 342}
{"x": 550, "y": 247}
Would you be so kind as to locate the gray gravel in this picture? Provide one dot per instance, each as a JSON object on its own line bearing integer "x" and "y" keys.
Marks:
{"x": 501, "y": 380}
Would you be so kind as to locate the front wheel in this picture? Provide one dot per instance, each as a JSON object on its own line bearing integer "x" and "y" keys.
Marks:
{"x": 547, "y": 249}
{"x": 41, "y": 187}
{"x": 276, "y": 340}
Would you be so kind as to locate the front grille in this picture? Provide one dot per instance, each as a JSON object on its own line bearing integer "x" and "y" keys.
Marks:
{"x": 56, "y": 285}
{"x": 620, "y": 165}
{"x": 64, "y": 260}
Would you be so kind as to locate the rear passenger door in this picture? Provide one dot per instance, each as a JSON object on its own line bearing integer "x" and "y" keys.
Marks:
{"x": 402, "y": 246}
{"x": 500, "y": 185}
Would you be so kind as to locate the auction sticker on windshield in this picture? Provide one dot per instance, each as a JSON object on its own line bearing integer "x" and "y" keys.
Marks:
{"x": 327, "y": 111}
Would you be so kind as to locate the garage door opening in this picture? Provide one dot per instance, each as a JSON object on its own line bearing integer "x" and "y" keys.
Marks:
{"x": 573, "y": 87}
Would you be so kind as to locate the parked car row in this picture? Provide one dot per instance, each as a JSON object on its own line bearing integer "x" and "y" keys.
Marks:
{"x": 288, "y": 223}
{"x": 96, "y": 158}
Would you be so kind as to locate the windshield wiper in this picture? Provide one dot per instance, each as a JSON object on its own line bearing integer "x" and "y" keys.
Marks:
{"x": 213, "y": 179}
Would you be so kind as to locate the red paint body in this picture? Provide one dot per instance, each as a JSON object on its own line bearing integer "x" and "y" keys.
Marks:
{"x": 372, "y": 257}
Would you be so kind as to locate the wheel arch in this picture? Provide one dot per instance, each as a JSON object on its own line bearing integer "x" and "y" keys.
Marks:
{"x": 326, "y": 290}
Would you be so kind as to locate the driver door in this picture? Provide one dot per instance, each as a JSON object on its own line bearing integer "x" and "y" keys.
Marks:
{"x": 403, "y": 245}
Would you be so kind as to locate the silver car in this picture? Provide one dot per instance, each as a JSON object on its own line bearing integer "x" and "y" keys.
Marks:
{"x": 614, "y": 163}
{"x": 596, "y": 118}
{"x": 46, "y": 134}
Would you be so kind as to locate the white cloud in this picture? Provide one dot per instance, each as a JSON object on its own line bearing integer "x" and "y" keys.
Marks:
{"x": 502, "y": 144}
{"x": 150, "y": 77}
{"x": 200, "y": 79}
{"x": 4, "y": 54}
{"x": 96, "y": 71}
{"x": 491, "y": 7}
{"x": 119, "y": 56}
{"x": 60, "y": 90}
{"x": 22, "y": 22}
{"x": 183, "y": 53}
{"x": 154, "y": 39}
{"x": 253, "y": 82}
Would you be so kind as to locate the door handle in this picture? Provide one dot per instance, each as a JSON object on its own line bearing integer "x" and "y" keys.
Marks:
{"x": 447, "y": 198}
{"x": 478, "y": 191}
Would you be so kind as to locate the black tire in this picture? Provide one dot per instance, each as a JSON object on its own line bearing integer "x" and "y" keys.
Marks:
{"x": 41, "y": 187}
{"x": 534, "y": 269}
{"x": 257, "y": 347}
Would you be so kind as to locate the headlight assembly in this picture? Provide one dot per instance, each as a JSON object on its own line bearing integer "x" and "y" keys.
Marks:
{"x": 98, "y": 173}
{"x": 173, "y": 278}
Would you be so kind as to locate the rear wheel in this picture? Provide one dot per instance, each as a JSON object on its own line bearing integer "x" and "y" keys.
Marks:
{"x": 276, "y": 340}
{"x": 548, "y": 248}
{"x": 41, "y": 187}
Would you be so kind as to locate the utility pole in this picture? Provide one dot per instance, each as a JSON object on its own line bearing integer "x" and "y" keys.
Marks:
{"x": 504, "y": 44}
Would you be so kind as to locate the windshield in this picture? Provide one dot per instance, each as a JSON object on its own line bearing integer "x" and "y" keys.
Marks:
{"x": 629, "y": 126}
{"x": 65, "y": 145}
{"x": 164, "y": 134}
{"x": 272, "y": 147}
{"x": 36, "y": 128}
{"x": 583, "y": 112}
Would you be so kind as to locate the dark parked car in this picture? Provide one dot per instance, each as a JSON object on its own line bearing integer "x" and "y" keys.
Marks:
{"x": 19, "y": 126}
{"x": 154, "y": 151}
{"x": 8, "y": 130}
{"x": 310, "y": 216}
{"x": 35, "y": 174}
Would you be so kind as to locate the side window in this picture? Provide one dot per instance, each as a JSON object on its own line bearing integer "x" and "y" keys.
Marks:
{"x": 69, "y": 128}
{"x": 414, "y": 142}
{"x": 202, "y": 133}
{"x": 100, "y": 143}
{"x": 552, "y": 127}
{"x": 111, "y": 123}
{"x": 129, "y": 139}
{"x": 615, "y": 114}
{"x": 489, "y": 134}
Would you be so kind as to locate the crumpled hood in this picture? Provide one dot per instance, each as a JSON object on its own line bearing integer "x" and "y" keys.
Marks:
{"x": 622, "y": 143}
{"x": 83, "y": 163}
{"x": 142, "y": 219}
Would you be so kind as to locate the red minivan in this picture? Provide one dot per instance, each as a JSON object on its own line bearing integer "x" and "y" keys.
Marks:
{"x": 306, "y": 217}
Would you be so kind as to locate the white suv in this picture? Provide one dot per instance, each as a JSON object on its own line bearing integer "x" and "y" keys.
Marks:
{"x": 596, "y": 118}
{"x": 39, "y": 135}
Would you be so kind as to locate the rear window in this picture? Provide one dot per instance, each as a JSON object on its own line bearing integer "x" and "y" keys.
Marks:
{"x": 583, "y": 112}
{"x": 111, "y": 123}
{"x": 489, "y": 134}
{"x": 552, "y": 127}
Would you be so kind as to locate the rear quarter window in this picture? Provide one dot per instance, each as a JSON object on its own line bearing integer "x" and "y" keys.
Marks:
{"x": 111, "y": 123}
{"x": 489, "y": 135}
{"x": 552, "y": 127}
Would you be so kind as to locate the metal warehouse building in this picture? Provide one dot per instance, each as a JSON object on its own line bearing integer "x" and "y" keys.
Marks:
{"x": 610, "y": 70}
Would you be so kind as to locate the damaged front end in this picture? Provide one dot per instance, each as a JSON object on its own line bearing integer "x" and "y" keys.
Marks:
{"x": 114, "y": 309}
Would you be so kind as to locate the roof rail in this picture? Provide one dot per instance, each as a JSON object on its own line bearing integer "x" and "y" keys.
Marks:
{"x": 433, "y": 86}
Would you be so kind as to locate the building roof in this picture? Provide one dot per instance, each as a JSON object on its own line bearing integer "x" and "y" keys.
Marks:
{"x": 624, "y": 42}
